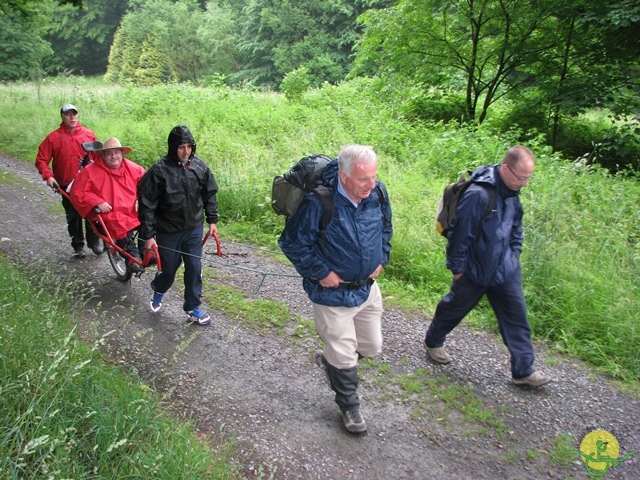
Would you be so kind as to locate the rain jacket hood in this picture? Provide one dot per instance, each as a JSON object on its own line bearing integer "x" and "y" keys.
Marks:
{"x": 177, "y": 136}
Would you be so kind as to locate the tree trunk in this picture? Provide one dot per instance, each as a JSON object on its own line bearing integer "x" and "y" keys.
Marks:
{"x": 563, "y": 75}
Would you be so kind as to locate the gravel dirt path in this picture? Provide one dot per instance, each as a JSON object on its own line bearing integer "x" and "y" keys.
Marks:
{"x": 262, "y": 387}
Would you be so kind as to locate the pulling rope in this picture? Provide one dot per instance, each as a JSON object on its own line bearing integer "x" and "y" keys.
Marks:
{"x": 263, "y": 275}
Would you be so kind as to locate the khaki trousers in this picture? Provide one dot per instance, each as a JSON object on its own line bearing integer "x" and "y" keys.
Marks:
{"x": 349, "y": 331}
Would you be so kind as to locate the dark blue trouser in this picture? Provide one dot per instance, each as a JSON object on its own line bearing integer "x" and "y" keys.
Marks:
{"x": 184, "y": 246}
{"x": 507, "y": 301}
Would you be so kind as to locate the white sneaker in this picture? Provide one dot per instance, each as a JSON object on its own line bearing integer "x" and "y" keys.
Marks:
{"x": 156, "y": 302}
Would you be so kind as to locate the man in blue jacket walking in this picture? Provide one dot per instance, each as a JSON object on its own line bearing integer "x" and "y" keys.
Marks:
{"x": 339, "y": 270}
{"x": 483, "y": 254}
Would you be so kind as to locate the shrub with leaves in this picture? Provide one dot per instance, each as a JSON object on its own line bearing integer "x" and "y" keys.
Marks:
{"x": 295, "y": 83}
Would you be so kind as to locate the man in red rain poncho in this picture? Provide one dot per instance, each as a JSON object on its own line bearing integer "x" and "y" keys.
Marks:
{"x": 59, "y": 158}
{"x": 110, "y": 186}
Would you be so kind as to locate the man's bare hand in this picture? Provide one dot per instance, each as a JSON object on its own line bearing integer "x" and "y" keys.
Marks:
{"x": 104, "y": 207}
{"x": 150, "y": 243}
{"x": 332, "y": 280}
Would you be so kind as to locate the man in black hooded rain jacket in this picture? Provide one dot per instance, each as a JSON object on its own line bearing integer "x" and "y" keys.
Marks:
{"x": 176, "y": 195}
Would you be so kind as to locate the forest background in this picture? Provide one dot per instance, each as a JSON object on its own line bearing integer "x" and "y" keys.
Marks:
{"x": 435, "y": 87}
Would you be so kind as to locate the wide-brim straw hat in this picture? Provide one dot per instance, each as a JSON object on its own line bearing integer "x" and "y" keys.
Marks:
{"x": 113, "y": 143}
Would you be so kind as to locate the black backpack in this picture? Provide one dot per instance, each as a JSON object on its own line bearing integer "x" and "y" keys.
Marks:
{"x": 288, "y": 189}
{"x": 449, "y": 202}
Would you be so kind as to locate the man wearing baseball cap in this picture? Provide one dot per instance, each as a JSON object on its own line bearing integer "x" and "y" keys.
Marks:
{"x": 58, "y": 161}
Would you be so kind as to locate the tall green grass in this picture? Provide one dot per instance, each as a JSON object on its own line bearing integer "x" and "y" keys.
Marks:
{"x": 582, "y": 262}
{"x": 582, "y": 227}
{"x": 64, "y": 413}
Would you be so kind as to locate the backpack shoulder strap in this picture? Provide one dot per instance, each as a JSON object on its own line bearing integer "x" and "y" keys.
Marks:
{"x": 324, "y": 194}
{"x": 492, "y": 201}
{"x": 326, "y": 200}
{"x": 382, "y": 197}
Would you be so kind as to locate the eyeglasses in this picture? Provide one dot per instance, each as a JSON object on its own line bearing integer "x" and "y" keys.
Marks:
{"x": 519, "y": 178}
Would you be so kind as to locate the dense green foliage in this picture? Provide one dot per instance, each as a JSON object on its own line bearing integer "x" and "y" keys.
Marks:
{"x": 160, "y": 42}
{"x": 278, "y": 36}
{"x": 254, "y": 42}
{"x": 481, "y": 48}
{"x": 582, "y": 248}
{"x": 44, "y": 37}
{"x": 65, "y": 414}
{"x": 22, "y": 48}
{"x": 29, "y": 8}
{"x": 553, "y": 59}
{"x": 81, "y": 38}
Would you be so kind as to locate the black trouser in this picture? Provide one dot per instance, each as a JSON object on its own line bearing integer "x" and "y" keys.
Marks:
{"x": 176, "y": 247}
{"x": 74, "y": 225}
{"x": 129, "y": 245}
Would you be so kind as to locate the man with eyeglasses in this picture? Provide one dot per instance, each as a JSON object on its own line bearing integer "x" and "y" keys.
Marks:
{"x": 483, "y": 254}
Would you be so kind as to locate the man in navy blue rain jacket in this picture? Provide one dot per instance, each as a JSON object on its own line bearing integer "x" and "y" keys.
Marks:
{"x": 339, "y": 270}
{"x": 483, "y": 254}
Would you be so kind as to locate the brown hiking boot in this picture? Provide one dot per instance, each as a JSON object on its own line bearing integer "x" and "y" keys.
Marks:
{"x": 439, "y": 355}
{"x": 536, "y": 379}
{"x": 353, "y": 420}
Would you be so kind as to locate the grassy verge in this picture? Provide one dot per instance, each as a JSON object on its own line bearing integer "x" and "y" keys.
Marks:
{"x": 65, "y": 413}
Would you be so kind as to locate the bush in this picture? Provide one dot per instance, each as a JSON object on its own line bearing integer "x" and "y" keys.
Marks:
{"x": 578, "y": 136}
{"x": 613, "y": 143}
{"x": 620, "y": 146}
{"x": 525, "y": 114}
{"x": 295, "y": 83}
{"x": 437, "y": 105}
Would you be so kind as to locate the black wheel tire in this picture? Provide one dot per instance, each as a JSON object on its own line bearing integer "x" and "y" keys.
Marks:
{"x": 119, "y": 264}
